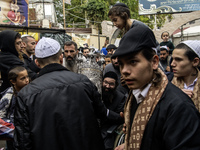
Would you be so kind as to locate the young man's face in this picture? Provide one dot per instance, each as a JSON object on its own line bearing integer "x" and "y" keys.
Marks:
{"x": 115, "y": 63}
{"x": 19, "y": 45}
{"x": 70, "y": 52}
{"x": 181, "y": 65}
{"x": 137, "y": 70}
{"x": 110, "y": 51}
{"x": 30, "y": 45}
{"x": 107, "y": 60}
{"x": 86, "y": 52}
{"x": 163, "y": 54}
{"x": 117, "y": 21}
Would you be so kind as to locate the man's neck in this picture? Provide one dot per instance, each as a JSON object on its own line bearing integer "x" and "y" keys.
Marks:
{"x": 29, "y": 55}
{"x": 189, "y": 80}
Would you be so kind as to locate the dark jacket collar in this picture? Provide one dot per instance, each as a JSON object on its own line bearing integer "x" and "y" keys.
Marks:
{"x": 51, "y": 68}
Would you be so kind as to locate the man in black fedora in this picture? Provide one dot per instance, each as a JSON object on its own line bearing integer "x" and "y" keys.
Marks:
{"x": 157, "y": 114}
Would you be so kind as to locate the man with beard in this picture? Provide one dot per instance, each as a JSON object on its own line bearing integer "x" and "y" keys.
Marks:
{"x": 114, "y": 66}
{"x": 29, "y": 45}
{"x": 113, "y": 100}
{"x": 164, "y": 63}
{"x": 70, "y": 54}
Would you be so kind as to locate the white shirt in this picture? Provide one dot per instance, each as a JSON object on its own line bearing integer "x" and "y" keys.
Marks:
{"x": 140, "y": 95}
{"x": 191, "y": 86}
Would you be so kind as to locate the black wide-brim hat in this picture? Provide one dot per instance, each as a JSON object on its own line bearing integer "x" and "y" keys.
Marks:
{"x": 138, "y": 37}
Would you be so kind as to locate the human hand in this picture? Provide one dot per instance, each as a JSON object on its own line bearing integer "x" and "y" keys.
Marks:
{"x": 188, "y": 92}
{"x": 122, "y": 114}
{"x": 124, "y": 128}
{"x": 167, "y": 69}
{"x": 120, "y": 147}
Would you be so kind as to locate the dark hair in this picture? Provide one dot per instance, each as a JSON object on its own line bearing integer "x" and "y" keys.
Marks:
{"x": 108, "y": 56}
{"x": 18, "y": 35}
{"x": 122, "y": 12}
{"x": 85, "y": 48}
{"x": 163, "y": 49}
{"x": 69, "y": 43}
{"x": 50, "y": 59}
{"x": 25, "y": 38}
{"x": 163, "y": 33}
{"x": 188, "y": 51}
{"x": 13, "y": 72}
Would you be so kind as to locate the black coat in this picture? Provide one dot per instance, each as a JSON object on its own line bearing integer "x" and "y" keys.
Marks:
{"x": 175, "y": 123}
{"x": 8, "y": 56}
{"x": 57, "y": 112}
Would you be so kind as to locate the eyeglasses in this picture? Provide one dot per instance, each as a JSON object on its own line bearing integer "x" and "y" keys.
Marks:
{"x": 110, "y": 84}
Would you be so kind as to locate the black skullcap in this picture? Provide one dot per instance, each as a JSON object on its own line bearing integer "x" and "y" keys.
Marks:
{"x": 121, "y": 4}
{"x": 111, "y": 46}
{"x": 138, "y": 37}
{"x": 111, "y": 74}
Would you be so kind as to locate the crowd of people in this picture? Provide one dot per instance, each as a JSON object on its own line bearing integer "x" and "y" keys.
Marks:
{"x": 46, "y": 104}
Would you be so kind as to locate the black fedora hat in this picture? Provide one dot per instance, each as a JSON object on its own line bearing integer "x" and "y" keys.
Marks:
{"x": 138, "y": 37}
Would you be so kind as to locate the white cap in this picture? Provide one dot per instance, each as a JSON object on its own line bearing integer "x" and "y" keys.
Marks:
{"x": 194, "y": 45}
{"x": 164, "y": 47}
{"x": 46, "y": 47}
{"x": 24, "y": 35}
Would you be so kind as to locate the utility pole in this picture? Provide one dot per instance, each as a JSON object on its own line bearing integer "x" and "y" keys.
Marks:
{"x": 86, "y": 20}
{"x": 64, "y": 14}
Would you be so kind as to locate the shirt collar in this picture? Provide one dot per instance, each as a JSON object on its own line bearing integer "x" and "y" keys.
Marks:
{"x": 191, "y": 86}
{"x": 140, "y": 95}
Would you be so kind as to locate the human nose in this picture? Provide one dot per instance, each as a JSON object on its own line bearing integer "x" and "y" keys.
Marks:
{"x": 125, "y": 70}
{"x": 27, "y": 79}
{"x": 172, "y": 63}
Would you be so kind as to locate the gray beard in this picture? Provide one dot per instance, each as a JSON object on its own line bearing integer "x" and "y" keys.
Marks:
{"x": 71, "y": 65}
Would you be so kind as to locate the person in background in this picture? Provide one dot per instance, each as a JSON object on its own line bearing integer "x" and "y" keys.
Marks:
{"x": 70, "y": 56}
{"x": 120, "y": 15}
{"x": 164, "y": 63}
{"x": 10, "y": 55}
{"x": 113, "y": 100}
{"x": 107, "y": 60}
{"x": 85, "y": 45}
{"x": 185, "y": 62}
{"x": 28, "y": 53}
{"x": 158, "y": 115}
{"x": 86, "y": 51}
{"x": 110, "y": 48}
{"x": 167, "y": 42}
{"x": 18, "y": 78}
{"x": 103, "y": 50}
{"x": 59, "y": 109}
{"x": 114, "y": 67}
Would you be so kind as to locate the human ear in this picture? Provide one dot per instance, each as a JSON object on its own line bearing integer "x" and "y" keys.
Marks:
{"x": 61, "y": 59}
{"x": 36, "y": 62}
{"x": 155, "y": 62}
{"x": 13, "y": 82}
{"x": 195, "y": 62}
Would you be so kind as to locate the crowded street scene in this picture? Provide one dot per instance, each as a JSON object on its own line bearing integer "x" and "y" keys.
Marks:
{"x": 99, "y": 75}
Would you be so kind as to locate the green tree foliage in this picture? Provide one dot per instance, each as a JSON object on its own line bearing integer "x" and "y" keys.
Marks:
{"x": 96, "y": 11}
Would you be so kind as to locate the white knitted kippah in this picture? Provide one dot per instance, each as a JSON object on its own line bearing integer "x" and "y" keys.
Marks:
{"x": 194, "y": 45}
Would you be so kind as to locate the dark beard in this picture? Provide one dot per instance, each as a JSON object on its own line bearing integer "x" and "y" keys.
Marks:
{"x": 116, "y": 67}
{"x": 107, "y": 96}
